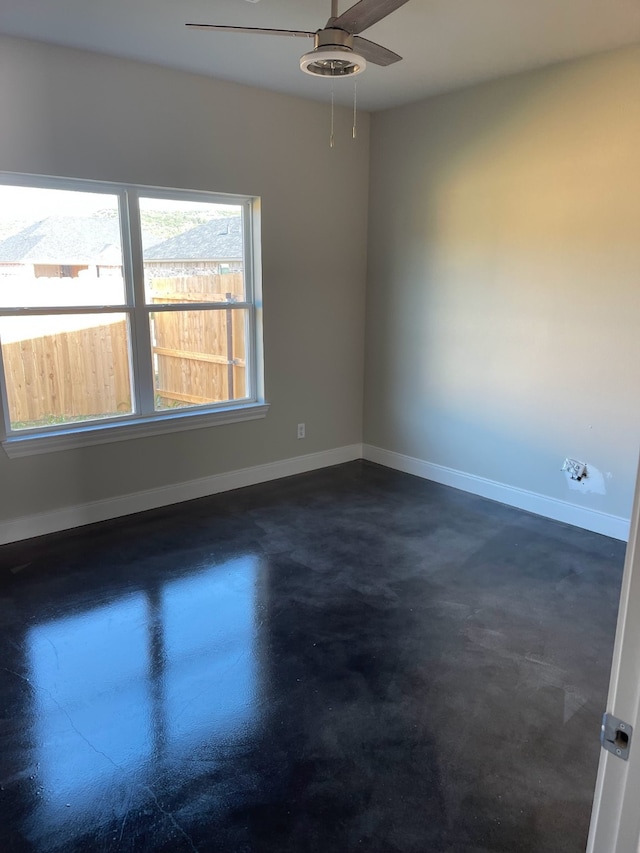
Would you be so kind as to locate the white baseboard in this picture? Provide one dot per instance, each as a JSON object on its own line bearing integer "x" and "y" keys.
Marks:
{"x": 16, "y": 529}
{"x": 39, "y": 524}
{"x": 589, "y": 519}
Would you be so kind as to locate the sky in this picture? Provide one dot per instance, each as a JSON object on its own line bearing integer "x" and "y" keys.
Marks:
{"x": 21, "y": 203}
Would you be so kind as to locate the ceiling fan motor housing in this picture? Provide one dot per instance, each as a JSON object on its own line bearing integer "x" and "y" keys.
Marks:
{"x": 332, "y": 55}
{"x": 334, "y": 38}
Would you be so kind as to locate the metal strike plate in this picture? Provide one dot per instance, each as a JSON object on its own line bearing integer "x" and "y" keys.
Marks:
{"x": 615, "y": 736}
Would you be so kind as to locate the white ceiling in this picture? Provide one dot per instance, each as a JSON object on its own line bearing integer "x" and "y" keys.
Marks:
{"x": 445, "y": 43}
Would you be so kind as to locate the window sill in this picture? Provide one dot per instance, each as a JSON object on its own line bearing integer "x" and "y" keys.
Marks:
{"x": 71, "y": 439}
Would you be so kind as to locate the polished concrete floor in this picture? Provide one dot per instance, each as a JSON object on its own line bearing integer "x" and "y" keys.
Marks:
{"x": 348, "y": 660}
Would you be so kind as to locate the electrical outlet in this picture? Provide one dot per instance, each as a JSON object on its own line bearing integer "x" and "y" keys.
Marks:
{"x": 301, "y": 430}
{"x": 576, "y": 470}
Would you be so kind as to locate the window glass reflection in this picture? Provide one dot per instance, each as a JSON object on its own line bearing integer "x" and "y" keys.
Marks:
{"x": 211, "y": 667}
{"x": 126, "y": 691}
{"x": 88, "y": 672}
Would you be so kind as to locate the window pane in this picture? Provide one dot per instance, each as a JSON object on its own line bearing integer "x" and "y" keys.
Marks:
{"x": 193, "y": 251}
{"x": 199, "y": 357}
{"x": 59, "y": 247}
{"x": 66, "y": 368}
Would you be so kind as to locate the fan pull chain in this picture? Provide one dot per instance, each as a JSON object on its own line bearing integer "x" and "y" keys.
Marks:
{"x": 331, "y": 139}
{"x": 353, "y": 132}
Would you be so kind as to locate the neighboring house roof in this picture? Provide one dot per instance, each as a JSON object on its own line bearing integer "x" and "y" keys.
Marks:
{"x": 219, "y": 239}
{"x": 65, "y": 240}
{"x": 78, "y": 240}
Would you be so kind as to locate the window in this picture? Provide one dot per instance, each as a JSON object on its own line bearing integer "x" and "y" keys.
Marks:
{"x": 124, "y": 310}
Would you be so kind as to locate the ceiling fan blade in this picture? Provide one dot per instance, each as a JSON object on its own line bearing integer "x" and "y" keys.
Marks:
{"x": 365, "y": 14}
{"x": 373, "y": 52}
{"x": 260, "y": 30}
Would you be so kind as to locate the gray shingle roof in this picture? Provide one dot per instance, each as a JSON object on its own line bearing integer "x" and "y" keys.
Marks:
{"x": 89, "y": 240}
{"x": 64, "y": 240}
{"x": 219, "y": 239}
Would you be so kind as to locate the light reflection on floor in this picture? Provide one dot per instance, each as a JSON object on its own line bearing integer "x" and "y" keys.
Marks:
{"x": 140, "y": 682}
{"x": 210, "y": 668}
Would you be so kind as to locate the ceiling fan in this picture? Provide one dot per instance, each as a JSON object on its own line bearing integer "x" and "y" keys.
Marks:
{"x": 338, "y": 49}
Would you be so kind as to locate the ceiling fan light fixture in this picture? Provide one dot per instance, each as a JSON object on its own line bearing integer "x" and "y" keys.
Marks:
{"x": 332, "y": 62}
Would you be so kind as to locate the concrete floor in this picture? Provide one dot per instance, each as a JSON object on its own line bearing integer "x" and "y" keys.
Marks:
{"x": 348, "y": 660}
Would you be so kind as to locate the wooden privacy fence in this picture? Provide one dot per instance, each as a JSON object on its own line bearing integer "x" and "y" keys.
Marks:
{"x": 199, "y": 357}
{"x": 69, "y": 374}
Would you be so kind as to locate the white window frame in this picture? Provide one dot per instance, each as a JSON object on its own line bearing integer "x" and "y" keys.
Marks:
{"x": 145, "y": 421}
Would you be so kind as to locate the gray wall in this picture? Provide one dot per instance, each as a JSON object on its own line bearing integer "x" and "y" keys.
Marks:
{"x": 504, "y": 266}
{"x": 78, "y": 114}
{"x": 504, "y": 257}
